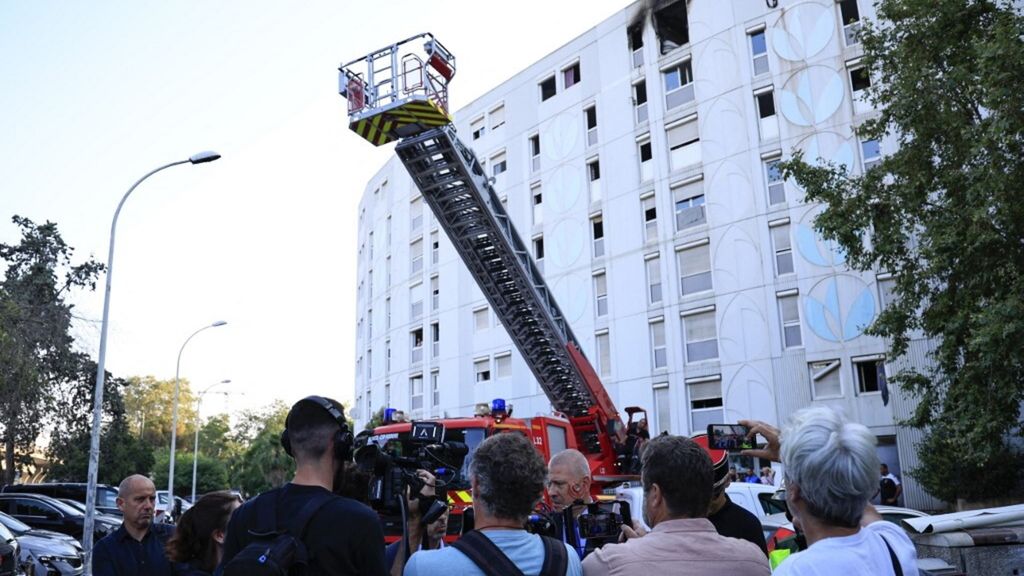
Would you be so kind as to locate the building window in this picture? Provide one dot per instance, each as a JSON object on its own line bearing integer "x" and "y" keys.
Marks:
{"x": 678, "y": 85}
{"x": 662, "y": 410}
{"x": 705, "y": 404}
{"x": 387, "y": 272}
{"x": 653, "y": 266}
{"x": 369, "y": 324}
{"x": 597, "y": 228}
{"x": 859, "y": 83}
{"x": 571, "y": 76}
{"x": 477, "y": 128}
{"x": 387, "y": 393}
{"x": 538, "y": 205}
{"x": 482, "y": 369}
{"x": 435, "y": 388}
{"x": 769, "y": 122}
{"x": 690, "y": 204}
{"x": 435, "y": 247}
{"x": 776, "y": 185}
{"x": 600, "y": 294}
{"x": 416, "y": 346}
{"x": 369, "y": 363}
{"x": 503, "y": 366}
{"x": 594, "y": 178}
{"x": 535, "y": 153}
{"x": 640, "y": 101}
{"x": 369, "y": 284}
{"x": 646, "y": 161}
{"x": 870, "y": 374}
{"x": 659, "y": 351}
{"x": 416, "y": 392}
{"x": 547, "y": 88}
{"x": 783, "y": 248}
{"x": 387, "y": 232}
{"x": 416, "y": 215}
{"x": 789, "y": 313}
{"x": 671, "y": 25}
{"x": 604, "y": 354}
{"x": 435, "y": 293}
{"x": 538, "y": 251}
{"x": 498, "y": 164}
{"x": 636, "y": 44}
{"x": 481, "y": 319}
{"x": 694, "y": 269}
{"x": 650, "y": 211}
{"x": 759, "y": 51}
{"x": 886, "y": 291}
{"x": 683, "y": 144}
{"x": 871, "y": 153}
{"x": 590, "y": 115}
{"x": 416, "y": 301}
{"x": 416, "y": 256}
{"x": 825, "y": 382}
{"x": 497, "y": 115}
{"x": 369, "y": 245}
{"x": 435, "y": 340}
{"x": 387, "y": 313}
{"x": 701, "y": 336}
{"x": 387, "y": 357}
{"x": 849, "y": 15}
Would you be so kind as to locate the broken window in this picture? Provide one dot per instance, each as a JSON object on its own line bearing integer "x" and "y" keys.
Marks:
{"x": 636, "y": 44}
{"x": 671, "y": 25}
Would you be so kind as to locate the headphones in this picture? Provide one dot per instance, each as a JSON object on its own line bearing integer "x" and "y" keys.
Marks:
{"x": 342, "y": 438}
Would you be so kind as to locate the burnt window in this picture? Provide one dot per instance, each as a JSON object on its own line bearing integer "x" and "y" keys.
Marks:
{"x": 671, "y": 24}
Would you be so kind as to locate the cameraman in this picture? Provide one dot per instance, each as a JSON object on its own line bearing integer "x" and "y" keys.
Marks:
{"x": 507, "y": 479}
{"x": 418, "y": 534}
{"x": 342, "y": 536}
{"x": 676, "y": 474}
{"x": 568, "y": 482}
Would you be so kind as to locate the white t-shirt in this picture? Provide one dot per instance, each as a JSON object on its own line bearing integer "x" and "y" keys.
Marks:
{"x": 864, "y": 553}
{"x": 891, "y": 477}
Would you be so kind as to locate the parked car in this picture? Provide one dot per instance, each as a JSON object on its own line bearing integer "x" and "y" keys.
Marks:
{"x": 162, "y": 507}
{"x": 754, "y": 498}
{"x": 784, "y": 534}
{"x": 10, "y": 550}
{"x": 46, "y": 513}
{"x": 106, "y": 496}
{"x": 44, "y": 552}
{"x": 80, "y": 506}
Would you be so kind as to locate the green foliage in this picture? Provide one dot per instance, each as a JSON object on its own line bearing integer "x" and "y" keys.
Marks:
{"x": 36, "y": 352}
{"x": 215, "y": 438}
{"x": 121, "y": 455}
{"x": 149, "y": 409}
{"x": 264, "y": 463}
{"x": 942, "y": 213}
{"x": 376, "y": 420}
{"x": 211, "y": 473}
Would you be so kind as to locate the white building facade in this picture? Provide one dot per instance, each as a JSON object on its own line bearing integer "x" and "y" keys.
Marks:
{"x": 638, "y": 162}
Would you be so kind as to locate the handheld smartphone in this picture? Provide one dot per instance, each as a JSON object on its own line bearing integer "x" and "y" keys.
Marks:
{"x": 730, "y": 437}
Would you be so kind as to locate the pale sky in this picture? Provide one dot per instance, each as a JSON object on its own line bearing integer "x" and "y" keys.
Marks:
{"x": 96, "y": 94}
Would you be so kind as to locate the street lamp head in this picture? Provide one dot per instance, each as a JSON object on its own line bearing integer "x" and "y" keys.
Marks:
{"x": 228, "y": 381}
{"x": 206, "y": 156}
{"x": 218, "y": 323}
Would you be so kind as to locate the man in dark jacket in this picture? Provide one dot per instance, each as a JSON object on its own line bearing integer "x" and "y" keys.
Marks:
{"x": 137, "y": 547}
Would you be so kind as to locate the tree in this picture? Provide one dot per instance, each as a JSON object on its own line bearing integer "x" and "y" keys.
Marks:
{"x": 121, "y": 453}
{"x": 149, "y": 408}
{"x": 263, "y": 464}
{"x": 943, "y": 214}
{"x": 215, "y": 438}
{"x": 211, "y": 474}
{"x": 35, "y": 320}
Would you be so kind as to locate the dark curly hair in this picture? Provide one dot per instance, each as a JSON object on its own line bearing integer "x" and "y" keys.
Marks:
{"x": 510, "y": 476}
{"x": 193, "y": 539}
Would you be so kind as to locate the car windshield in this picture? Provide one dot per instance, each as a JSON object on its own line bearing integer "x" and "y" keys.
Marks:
{"x": 14, "y": 525}
{"x": 68, "y": 510}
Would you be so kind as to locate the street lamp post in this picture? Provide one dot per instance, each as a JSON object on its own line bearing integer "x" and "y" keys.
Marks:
{"x": 94, "y": 441}
{"x": 174, "y": 418}
{"x": 195, "y": 449}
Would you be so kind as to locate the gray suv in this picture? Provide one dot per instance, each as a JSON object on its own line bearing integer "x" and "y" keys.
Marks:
{"x": 45, "y": 552}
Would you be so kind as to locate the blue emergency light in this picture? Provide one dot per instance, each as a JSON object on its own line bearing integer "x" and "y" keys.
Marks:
{"x": 389, "y": 415}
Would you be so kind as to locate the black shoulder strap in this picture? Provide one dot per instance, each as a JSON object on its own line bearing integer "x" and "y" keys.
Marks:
{"x": 896, "y": 568}
{"x": 486, "y": 555}
{"x": 297, "y": 527}
{"x": 556, "y": 558}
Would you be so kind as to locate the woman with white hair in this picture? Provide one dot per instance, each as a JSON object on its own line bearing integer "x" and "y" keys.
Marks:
{"x": 830, "y": 469}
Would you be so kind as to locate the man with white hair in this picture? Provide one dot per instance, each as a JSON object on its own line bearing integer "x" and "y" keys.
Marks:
{"x": 830, "y": 469}
{"x": 568, "y": 481}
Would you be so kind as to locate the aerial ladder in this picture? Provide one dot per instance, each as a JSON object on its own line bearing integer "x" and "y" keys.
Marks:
{"x": 400, "y": 93}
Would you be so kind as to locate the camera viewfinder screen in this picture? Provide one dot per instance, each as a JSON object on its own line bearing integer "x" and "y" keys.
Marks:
{"x": 730, "y": 437}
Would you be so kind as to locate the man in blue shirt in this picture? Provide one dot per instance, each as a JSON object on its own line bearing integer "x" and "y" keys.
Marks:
{"x": 137, "y": 547}
{"x": 507, "y": 477}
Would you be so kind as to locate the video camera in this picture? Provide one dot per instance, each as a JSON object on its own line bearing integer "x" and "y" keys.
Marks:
{"x": 391, "y": 470}
{"x": 598, "y": 525}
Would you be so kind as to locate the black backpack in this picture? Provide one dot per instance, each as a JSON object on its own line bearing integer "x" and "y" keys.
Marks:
{"x": 272, "y": 551}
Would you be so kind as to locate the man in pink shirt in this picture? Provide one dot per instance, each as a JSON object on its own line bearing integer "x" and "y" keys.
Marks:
{"x": 677, "y": 479}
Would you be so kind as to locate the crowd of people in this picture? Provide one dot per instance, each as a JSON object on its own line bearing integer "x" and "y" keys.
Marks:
{"x": 830, "y": 473}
